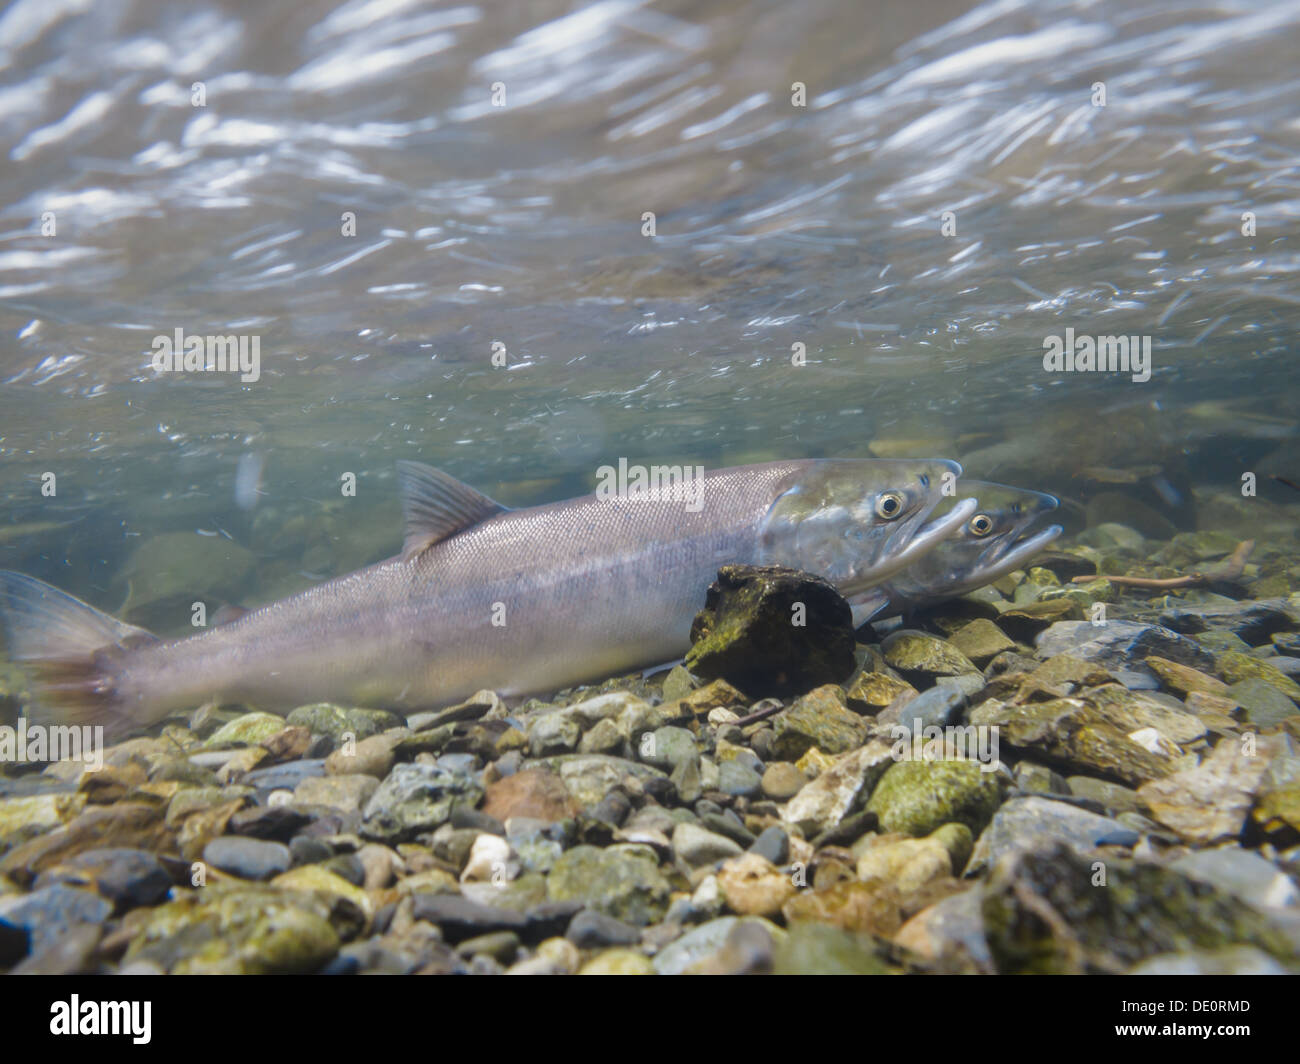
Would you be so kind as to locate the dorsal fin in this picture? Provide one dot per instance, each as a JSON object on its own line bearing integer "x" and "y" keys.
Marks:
{"x": 437, "y": 506}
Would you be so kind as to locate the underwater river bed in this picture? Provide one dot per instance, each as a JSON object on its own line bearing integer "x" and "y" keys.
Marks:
{"x": 252, "y": 257}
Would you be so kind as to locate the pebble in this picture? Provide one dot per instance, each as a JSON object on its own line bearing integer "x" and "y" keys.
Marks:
{"x": 51, "y": 912}
{"x": 782, "y": 781}
{"x": 773, "y": 845}
{"x": 533, "y": 793}
{"x": 348, "y": 794}
{"x": 460, "y": 918}
{"x": 128, "y": 878}
{"x": 595, "y": 930}
{"x": 753, "y": 886}
{"x": 1040, "y": 823}
{"x": 696, "y": 847}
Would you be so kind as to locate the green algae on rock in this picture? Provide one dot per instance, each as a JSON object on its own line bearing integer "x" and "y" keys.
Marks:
{"x": 919, "y": 655}
{"x": 918, "y": 797}
{"x": 324, "y": 718}
{"x": 222, "y": 931}
{"x": 772, "y": 631}
{"x": 626, "y": 885}
{"x": 1069, "y": 732}
{"x": 820, "y": 719}
{"x": 1045, "y": 912}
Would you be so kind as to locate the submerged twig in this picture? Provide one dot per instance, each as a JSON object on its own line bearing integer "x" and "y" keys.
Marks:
{"x": 1229, "y": 569}
{"x": 762, "y": 714}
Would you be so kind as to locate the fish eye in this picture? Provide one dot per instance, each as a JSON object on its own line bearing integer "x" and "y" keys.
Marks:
{"x": 980, "y": 525}
{"x": 889, "y": 505}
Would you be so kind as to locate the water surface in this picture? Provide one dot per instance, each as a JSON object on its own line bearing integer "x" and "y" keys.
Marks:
{"x": 776, "y": 225}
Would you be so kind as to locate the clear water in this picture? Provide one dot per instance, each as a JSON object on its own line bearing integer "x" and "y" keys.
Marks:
{"x": 776, "y": 225}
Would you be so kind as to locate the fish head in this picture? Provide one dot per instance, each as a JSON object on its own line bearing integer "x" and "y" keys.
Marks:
{"x": 997, "y": 538}
{"x": 856, "y": 522}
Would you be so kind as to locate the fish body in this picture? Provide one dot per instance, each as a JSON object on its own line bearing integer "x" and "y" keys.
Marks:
{"x": 520, "y": 601}
{"x": 996, "y": 539}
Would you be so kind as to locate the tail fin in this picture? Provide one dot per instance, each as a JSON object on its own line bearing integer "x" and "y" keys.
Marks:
{"x": 65, "y": 646}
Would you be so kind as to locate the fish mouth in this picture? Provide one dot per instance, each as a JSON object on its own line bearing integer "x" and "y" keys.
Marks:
{"x": 1013, "y": 557}
{"x": 924, "y": 540}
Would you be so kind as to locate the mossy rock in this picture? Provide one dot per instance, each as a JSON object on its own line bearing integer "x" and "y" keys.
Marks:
{"x": 238, "y": 932}
{"x": 1235, "y": 666}
{"x": 619, "y": 883}
{"x": 919, "y": 797}
{"x": 819, "y": 719}
{"x": 772, "y": 631}
{"x": 248, "y": 729}
{"x": 1045, "y": 913}
{"x": 323, "y": 718}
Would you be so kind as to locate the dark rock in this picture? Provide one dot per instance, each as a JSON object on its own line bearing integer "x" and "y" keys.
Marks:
{"x": 306, "y": 849}
{"x": 773, "y": 844}
{"x": 1254, "y": 622}
{"x": 594, "y": 930}
{"x": 284, "y": 777}
{"x": 937, "y": 707}
{"x": 347, "y": 866}
{"x": 72, "y": 954}
{"x": 275, "y": 822}
{"x": 612, "y": 809}
{"x": 660, "y": 789}
{"x": 468, "y": 817}
{"x": 14, "y": 943}
{"x": 1065, "y": 566}
{"x": 746, "y": 632}
{"x": 247, "y": 858}
{"x": 127, "y": 878}
{"x": 345, "y": 964}
{"x": 727, "y": 824}
{"x": 49, "y": 913}
{"x": 460, "y": 918}
{"x": 847, "y": 831}
{"x": 550, "y": 919}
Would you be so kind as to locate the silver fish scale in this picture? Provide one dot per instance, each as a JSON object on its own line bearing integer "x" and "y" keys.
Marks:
{"x": 580, "y": 589}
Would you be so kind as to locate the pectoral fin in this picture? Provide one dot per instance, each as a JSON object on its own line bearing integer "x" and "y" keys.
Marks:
{"x": 437, "y": 506}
